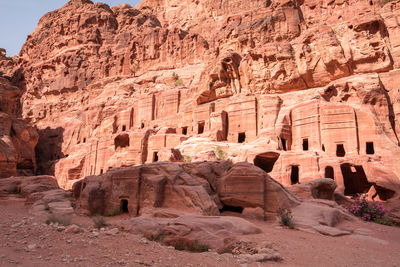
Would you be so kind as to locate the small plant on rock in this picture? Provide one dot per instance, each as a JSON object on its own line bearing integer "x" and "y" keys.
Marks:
{"x": 197, "y": 247}
{"x": 178, "y": 81}
{"x": 285, "y": 217}
{"x": 221, "y": 155}
{"x": 187, "y": 159}
{"x": 159, "y": 237}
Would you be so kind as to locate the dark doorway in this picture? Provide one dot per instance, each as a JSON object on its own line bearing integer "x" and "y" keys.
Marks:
{"x": 329, "y": 172}
{"x": 355, "y": 180}
{"x": 155, "y": 156}
{"x": 123, "y": 128}
{"x": 200, "y": 127}
{"x": 84, "y": 140}
{"x": 142, "y": 125}
{"x": 241, "y": 137}
{"x": 340, "y": 152}
{"x": 283, "y": 140}
{"x": 370, "y": 148}
{"x": 184, "y": 130}
{"x": 231, "y": 209}
{"x": 323, "y": 147}
{"x": 305, "y": 144}
{"x": 266, "y": 161}
{"x": 124, "y": 206}
{"x": 294, "y": 176}
{"x": 101, "y": 171}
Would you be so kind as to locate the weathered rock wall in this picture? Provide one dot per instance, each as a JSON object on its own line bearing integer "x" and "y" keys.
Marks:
{"x": 298, "y": 87}
{"x": 17, "y": 138}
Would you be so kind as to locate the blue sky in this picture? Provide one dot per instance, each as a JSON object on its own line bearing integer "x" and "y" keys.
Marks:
{"x": 18, "y": 18}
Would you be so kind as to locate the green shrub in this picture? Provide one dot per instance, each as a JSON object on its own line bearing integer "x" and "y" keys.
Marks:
{"x": 187, "y": 159}
{"x": 178, "y": 81}
{"x": 159, "y": 237}
{"x": 192, "y": 247}
{"x": 197, "y": 247}
{"x": 385, "y": 221}
{"x": 285, "y": 217}
{"x": 221, "y": 155}
{"x": 60, "y": 219}
{"x": 99, "y": 221}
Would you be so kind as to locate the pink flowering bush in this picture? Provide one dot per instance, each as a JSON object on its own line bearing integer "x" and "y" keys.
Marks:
{"x": 367, "y": 211}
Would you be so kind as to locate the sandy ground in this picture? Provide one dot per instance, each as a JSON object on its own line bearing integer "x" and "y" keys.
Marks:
{"x": 25, "y": 240}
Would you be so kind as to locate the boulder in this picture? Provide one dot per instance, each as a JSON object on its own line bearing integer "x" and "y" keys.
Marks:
{"x": 322, "y": 188}
{"x": 186, "y": 230}
{"x": 321, "y": 216}
{"x": 248, "y": 186}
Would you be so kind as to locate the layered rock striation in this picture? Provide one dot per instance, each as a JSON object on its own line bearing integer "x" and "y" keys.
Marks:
{"x": 17, "y": 138}
{"x": 302, "y": 89}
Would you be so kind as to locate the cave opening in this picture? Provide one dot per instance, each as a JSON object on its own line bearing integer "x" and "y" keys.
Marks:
{"x": 355, "y": 180}
{"x": 340, "y": 152}
{"x": 329, "y": 172}
{"x": 241, "y": 137}
{"x": 121, "y": 141}
{"x": 305, "y": 144}
{"x": 266, "y": 161}
{"x": 294, "y": 175}
{"x": 370, "y": 148}
{"x": 155, "y": 156}
{"x": 283, "y": 141}
{"x": 200, "y": 127}
{"x": 227, "y": 208}
{"x": 124, "y": 206}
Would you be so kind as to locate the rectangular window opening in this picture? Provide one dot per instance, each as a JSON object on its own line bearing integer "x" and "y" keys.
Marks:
{"x": 283, "y": 140}
{"x": 200, "y": 127}
{"x": 305, "y": 144}
{"x": 241, "y": 137}
{"x": 155, "y": 156}
{"x": 370, "y": 148}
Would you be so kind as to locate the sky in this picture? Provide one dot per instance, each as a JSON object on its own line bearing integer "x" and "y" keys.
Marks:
{"x": 18, "y": 18}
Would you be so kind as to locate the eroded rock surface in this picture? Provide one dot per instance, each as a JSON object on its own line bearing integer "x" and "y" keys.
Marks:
{"x": 203, "y": 188}
{"x": 303, "y": 89}
{"x": 17, "y": 138}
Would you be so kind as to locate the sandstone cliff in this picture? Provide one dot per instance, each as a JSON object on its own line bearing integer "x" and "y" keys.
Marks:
{"x": 17, "y": 138}
{"x": 303, "y": 89}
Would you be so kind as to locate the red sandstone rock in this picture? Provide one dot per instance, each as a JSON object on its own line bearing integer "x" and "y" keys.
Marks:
{"x": 302, "y": 89}
{"x": 17, "y": 138}
{"x": 203, "y": 188}
{"x": 186, "y": 229}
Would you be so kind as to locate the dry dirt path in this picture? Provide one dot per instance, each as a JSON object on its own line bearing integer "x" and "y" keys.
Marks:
{"x": 27, "y": 241}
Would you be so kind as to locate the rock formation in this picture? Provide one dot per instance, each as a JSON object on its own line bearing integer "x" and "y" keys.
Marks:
{"x": 204, "y": 188}
{"x": 17, "y": 138}
{"x": 302, "y": 89}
